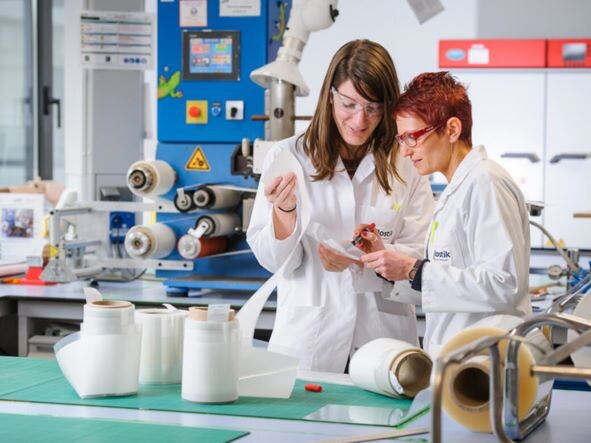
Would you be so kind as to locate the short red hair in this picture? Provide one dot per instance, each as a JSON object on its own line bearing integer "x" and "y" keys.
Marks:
{"x": 434, "y": 97}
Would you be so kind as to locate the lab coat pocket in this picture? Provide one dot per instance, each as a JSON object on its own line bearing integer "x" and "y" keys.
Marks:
{"x": 296, "y": 328}
{"x": 388, "y": 221}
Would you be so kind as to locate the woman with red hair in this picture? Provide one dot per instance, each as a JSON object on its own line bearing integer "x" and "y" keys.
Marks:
{"x": 478, "y": 246}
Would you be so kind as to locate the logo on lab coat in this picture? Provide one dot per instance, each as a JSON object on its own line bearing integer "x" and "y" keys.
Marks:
{"x": 442, "y": 255}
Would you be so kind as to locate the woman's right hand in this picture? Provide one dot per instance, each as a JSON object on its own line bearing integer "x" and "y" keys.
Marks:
{"x": 370, "y": 239}
{"x": 280, "y": 192}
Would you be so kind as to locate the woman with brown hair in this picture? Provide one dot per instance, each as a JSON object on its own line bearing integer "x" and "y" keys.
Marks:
{"x": 328, "y": 304}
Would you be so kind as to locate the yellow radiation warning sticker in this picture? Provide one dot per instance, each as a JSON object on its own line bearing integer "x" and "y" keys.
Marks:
{"x": 198, "y": 162}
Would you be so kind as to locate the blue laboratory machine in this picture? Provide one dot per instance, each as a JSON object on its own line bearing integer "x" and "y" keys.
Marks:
{"x": 209, "y": 114}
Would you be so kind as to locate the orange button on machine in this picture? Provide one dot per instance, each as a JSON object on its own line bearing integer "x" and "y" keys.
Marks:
{"x": 194, "y": 111}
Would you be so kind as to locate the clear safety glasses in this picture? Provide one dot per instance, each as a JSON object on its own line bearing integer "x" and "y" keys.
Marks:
{"x": 351, "y": 107}
{"x": 411, "y": 139}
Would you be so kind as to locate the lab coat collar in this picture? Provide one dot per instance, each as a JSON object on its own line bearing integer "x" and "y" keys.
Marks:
{"x": 365, "y": 168}
{"x": 476, "y": 154}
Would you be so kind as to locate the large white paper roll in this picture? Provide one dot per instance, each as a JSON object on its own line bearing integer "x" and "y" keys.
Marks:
{"x": 103, "y": 358}
{"x": 211, "y": 356}
{"x": 161, "y": 356}
{"x": 582, "y": 357}
{"x": 153, "y": 241}
{"x": 466, "y": 386}
{"x": 391, "y": 367}
{"x": 150, "y": 178}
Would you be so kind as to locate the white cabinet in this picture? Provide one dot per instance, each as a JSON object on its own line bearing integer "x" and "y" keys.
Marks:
{"x": 568, "y": 156}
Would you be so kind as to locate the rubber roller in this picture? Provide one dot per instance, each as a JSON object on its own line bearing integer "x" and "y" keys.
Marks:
{"x": 147, "y": 178}
{"x": 216, "y": 225}
{"x": 466, "y": 385}
{"x": 155, "y": 241}
{"x": 216, "y": 197}
{"x": 190, "y": 247}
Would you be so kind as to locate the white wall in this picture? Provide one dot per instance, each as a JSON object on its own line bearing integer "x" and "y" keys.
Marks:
{"x": 393, "y": 24}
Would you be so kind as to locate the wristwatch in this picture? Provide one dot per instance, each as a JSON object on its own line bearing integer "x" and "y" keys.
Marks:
{"x": 413, "y": 272}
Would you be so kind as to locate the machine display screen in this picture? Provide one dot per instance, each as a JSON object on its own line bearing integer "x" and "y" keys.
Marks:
{"x": 211, "y": 55}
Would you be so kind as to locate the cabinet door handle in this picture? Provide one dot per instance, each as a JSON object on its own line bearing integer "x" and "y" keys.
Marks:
{"x": 527, "y": 155}
{"x": 565, "y": 156}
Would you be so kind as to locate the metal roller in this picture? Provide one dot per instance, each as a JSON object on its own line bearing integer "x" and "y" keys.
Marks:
{"x": 155, "y": 241}
{"x": 183, "y": 200}
{"x": 150, "y": 178}
{"x": 216, "y": 197}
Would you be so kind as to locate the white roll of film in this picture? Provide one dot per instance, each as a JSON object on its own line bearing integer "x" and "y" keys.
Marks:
{"x": 150, "y": 178}
{"x": 218, "y": 225}
{"x": 582, "y": 357}
{"x": 103, "y": 358}
{"x": 161, "y": 357}
{"x": 466, "y": 393}
{"x": 391, "y": 367}
{"x": 153, "y": 241}
{"x": 216, "y": 197}
{"x": 211, "y": 356}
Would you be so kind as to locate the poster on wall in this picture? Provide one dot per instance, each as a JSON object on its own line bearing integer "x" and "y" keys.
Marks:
{"x": 193, "y": 13}
{"x": 116, "y": 40}
{"x": 21, "y": 226}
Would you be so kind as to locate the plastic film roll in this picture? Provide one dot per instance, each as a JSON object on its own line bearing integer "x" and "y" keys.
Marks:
{"x": 211, "y": 356}
{"x": 391, "y": 367}
{"x": 582, "y": 357}
{"x": 154, "y": 241}
{"x": 218, "y": 225}
{"x": 191, "y": 248}
{"x": 103, "y": 358}
{"x": 150, "y": 178}
{"x": 216, "y": 197}
{"x": 161, "y": 356}
{"x": 466, "y": 386}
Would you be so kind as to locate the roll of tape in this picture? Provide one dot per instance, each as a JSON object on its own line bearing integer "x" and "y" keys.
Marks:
{"x": 161, "y": 356}
{"x": 582, "y": 357}
{"x": 391, "y": 367}
{"x": 216, "y": 197}
{"x": 191, "y": 248}
{"x": 466, "y": 386}
{"x": 150, "y": 178}
{"x": 154, "y": 241}
{"x": 103, "y": 358}
{"x": 211, "y": 356}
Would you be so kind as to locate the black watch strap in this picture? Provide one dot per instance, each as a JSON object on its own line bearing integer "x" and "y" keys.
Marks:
{"x": 417, "y": 282}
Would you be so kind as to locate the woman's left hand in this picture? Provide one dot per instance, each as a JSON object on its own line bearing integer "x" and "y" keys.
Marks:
{"x": 332, "y": 261}
{"x": 389, "y": 264}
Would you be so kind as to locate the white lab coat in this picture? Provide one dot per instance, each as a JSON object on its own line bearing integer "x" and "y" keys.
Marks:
{"x": 479, "y": 247}
{"x": 322, "y": 317}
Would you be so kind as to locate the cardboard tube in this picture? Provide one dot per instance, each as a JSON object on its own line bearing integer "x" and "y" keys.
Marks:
{"x": 466, "y": 386}
{"x": 391, "y": 367}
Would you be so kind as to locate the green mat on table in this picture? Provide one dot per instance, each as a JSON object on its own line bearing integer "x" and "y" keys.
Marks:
{"x": 56, "y": 389}
{"x": 16, "y": 428}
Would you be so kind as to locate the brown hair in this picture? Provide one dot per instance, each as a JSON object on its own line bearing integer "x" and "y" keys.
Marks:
{"x": 435, "y": 97}
{"x": 371, "y": 70}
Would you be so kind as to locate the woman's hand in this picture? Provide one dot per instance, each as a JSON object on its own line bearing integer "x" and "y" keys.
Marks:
{"x": 390, "y": 264}
{"x": 332, "y": 261}
{"x": 280, "y": 192}
{"x": 370, "y": 240}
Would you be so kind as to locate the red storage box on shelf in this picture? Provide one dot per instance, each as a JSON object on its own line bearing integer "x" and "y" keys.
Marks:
{"x": 492, "y": 53}
{"x": 569, "y": 53}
